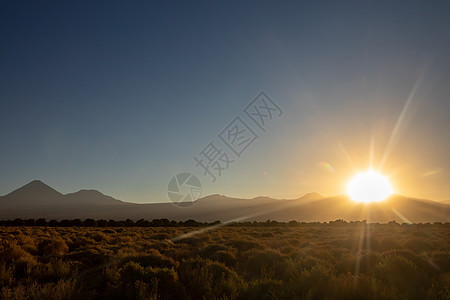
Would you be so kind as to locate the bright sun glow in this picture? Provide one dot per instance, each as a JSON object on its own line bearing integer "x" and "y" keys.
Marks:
{"x": 369, "y": 186}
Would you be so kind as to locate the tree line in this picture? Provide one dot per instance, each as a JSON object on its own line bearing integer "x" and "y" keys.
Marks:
{"x": 171, "y": 223}
{"x": 103, "y": 223}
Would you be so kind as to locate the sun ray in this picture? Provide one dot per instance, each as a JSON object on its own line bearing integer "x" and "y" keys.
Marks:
{"x": 371, "y": 153}
{"x": 358, "y": 253}
{"x": 402, "y": 217}
{"x": 400, "y": 119}
{"x": 346, "y": 155}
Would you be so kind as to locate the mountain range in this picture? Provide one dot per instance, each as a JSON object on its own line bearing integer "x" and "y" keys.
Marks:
{"x": 38, "y": 200}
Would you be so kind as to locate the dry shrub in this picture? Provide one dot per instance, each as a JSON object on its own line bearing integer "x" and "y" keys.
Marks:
{"x": 418, "y": 245}
{"x": 264, "y": 289}
{"x": 389, "y": 243}
{"x": 22, "y": 261}
{"x": 287, "y": 250}
{"x": 204, "y": 278}
{"x": 90, "y": 256}
{"x": 164, "y": 245}
{"x": 55, "y": 270}
{"x": 52, "y": 247}
{"x": 6, "y": 275}
{"x": 401, "y": 273}
{"x": 13, "y": 252}
{"x": 362, "y": 262}
{"x": 99, "y": 237}
{"x": 81, "y": 241}
{"x": 152, "y": 258}
{"x": 313, "y": 261}
{"x": 262, "y": 263}
{"x": 313, "y": 283}
{"x": 211, "y": 249}
{"x": 137, "y": 281}
{"x": 349, "y": 286}
{"x": 245, "y": 245}
{"x": 63, "y": 289}
{"x": 13, "y": 293}
{"x": 441, "y": 260}
{"x": 27, "y": 243}
{"x": 124, "y": 241}
{"x": 160, "y": 236}
{"x": 224, "y": 256}
{"x": 419, "y": 261}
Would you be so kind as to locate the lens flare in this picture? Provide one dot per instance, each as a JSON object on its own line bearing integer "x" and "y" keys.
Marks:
{"x": 326, "y": 166}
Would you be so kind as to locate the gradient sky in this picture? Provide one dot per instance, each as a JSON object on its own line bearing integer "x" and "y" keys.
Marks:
{"x": 120, "y": 96}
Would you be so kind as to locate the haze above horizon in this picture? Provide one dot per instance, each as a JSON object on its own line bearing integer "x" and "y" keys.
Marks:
{"x": 120, "y": 97}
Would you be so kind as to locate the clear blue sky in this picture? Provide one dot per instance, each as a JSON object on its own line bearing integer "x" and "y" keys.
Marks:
{"x": 120, "y": 96}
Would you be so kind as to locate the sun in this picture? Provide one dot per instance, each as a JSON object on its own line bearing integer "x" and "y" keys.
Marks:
{"x": 369, "y": 186}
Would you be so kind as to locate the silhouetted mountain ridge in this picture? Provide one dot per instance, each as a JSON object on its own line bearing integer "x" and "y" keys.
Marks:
{"x": 34, "y": 193}
{"x": 38, "y": 200}
{"x": 37, "y": 193}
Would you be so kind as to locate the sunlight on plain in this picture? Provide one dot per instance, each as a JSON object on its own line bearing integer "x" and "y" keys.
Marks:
{"x": 369, "y": 186}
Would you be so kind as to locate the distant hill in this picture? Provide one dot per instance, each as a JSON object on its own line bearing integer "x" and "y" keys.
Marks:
{"x": 38, "y": 200}
{"x": 37, "y": 193}
{"x": 90, "y": 197}
{"x": 31, "y": 194}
